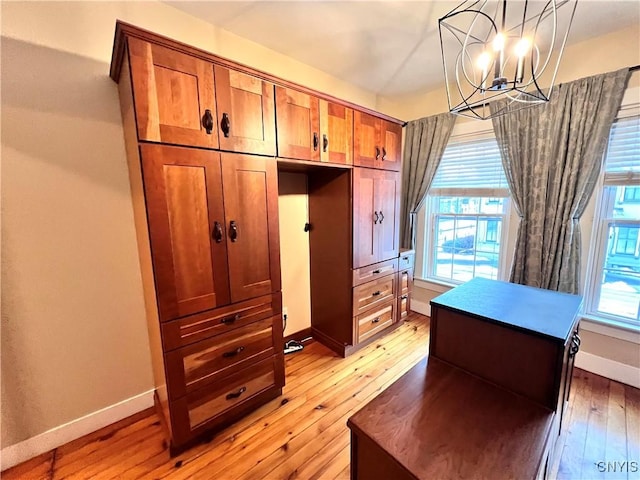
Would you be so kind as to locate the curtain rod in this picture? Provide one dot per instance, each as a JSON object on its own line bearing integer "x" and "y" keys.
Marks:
{"x": 635, "y": 68}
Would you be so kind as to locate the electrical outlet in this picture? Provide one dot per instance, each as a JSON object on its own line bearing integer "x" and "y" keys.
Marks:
{"x": 284, "y": 312}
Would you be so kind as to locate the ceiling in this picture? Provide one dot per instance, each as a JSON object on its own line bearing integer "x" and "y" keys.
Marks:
{"x": 390, "y": 48}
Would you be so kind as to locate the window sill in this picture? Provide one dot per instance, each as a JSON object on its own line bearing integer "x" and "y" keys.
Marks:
{"x": 433, "y": 284}
{"x": 610, "y": 328}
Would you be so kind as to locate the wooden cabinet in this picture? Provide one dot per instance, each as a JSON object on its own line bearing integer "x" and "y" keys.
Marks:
{"x": 210, "y": 248}
{"x": 174, "y": 95}
{"x": 375, "y": 216}
{"x": 246, "y": 115}
{"x": 179, "y": 101}
{"x": 313, "y": 129}
{"x": 405, "y": 283}
{"x": 377, "y": 142}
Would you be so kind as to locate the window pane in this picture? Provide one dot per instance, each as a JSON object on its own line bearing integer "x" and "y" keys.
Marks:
{"x": 625, "y": 205}
{"x": 466, "y": 246}
{"x": 620, "y": 283}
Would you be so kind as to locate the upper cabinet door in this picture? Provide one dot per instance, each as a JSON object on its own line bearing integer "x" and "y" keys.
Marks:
{"x": 365, "y": 221}
{"x": 183, "y": 190}
{"x": 174, "y": 96}
{"x": 251, "y": 208}
{"x": 387, "y": 195}
{"x": 336, "y": 128}
{"x": 298, "y": 124}
{"x": 246, "y": 116}
{"x": 366, "y": 142}
{"x": 391, "y": 139}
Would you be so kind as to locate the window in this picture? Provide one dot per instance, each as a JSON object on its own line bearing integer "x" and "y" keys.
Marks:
{"x": 465, "y": 213}
{"x": 615, "y": 284}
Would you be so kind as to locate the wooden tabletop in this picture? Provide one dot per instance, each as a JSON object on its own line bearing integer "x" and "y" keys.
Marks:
{"x": 437, "y": 421}
{"x": 536, "y": 310}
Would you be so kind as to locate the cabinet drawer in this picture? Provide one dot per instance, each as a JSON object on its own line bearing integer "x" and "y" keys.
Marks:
{"x": 211, "y": 405}
{"x": 195, "y": 328}
{"x": 375, "y": 320}
{"x": 371, "y": 272}
{"x": 371, "y": 294}
{"x": 406, "y": 260}
{"x": 404, "y": 281}
{"x": 196, "y": 365}
{"x": 404, "y": 304}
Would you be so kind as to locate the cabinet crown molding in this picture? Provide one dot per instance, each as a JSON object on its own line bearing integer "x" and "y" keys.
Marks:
{"x": 124, "y": 30}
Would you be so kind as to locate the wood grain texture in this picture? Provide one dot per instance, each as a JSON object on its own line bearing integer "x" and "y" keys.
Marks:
{"x": 391, "y": 140}
{"x": 336, "y": 128}
{"x": 315, "y": 378}
{"x": 248, "y": 102}
{"x": 297, "y": 116}
{"x": 366, "y": 140}
{"x": 172, "y": 91}
{"x": 183, "y": 189}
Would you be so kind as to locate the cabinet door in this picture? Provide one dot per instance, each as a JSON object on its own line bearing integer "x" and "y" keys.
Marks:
{"x": 366, "y": 142}
{"x": 336, "y": 128}
{"x": 365, "y": 243}
{"x": 391, "y": 140}
{"x": 183, "y": 190}
{"x": 387, "y": 199}
{"x": 251, "y": 211}
{"x": 246, "y": 116}
{"x": 298, "y": 124}
{"x": 174, "y": 96}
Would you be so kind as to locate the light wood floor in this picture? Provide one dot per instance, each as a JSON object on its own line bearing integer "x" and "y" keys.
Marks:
{"x": 303, "y": 434}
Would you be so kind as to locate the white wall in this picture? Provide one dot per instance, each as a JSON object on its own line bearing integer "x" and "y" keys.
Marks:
{"x": 73, "y": 324}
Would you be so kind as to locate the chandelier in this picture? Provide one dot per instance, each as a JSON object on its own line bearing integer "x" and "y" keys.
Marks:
{"x": 502, "y": 49}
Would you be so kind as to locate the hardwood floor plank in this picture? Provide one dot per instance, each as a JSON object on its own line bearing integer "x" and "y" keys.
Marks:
{"x": 616, "y": 443}
{"x": 571, "y": 461}
{"x": 309, "y": 420}
{"x": 595, "y": 445}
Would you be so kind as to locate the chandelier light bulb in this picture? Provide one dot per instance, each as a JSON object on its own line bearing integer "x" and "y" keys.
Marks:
{"x": 498, "y": 42}
{"x": 522, "y": 47}
{"x": 484, "y": 60}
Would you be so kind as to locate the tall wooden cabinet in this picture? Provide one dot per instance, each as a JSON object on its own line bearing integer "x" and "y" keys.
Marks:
{"x": 205, "y": 138}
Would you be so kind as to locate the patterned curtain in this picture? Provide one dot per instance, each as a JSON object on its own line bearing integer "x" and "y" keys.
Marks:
{"x": 425, "y": 141}
{"x": 552, "y": 156}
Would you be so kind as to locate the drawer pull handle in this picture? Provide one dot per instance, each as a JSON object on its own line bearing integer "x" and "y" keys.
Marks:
{"x": 375, "y": 272}
{"x": 575, "y": 345}
{"x": 376, "y": 293}
{"x": 217, "y": 232}
{"x": 315, "y": 141}
{"x": 230, "y": 320}
{"x": 405, "y": 258}
{"x": 231, "y": 396}
{"x": 381, "y": 216}
{"x": 375, "y": 320}
{"x": 404, "y": 297}
{"x": 384, "y": 154}
{"x": 377, "y": 152}
{"x": 233, "y": 230}
{"x": 233, "y": 353}
{"x": 325, "y": 143}
{"x": 375, "y": 220}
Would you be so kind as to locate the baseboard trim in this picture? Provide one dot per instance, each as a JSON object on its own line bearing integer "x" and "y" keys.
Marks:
{"x": 620, "y": 372}
{"x": 421, "y": 307}
{"x": 34, "y": 446}
{"x": 299, "y": 336}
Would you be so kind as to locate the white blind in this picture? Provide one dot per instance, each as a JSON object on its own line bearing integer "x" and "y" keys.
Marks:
{"x": 471, "y": 167}
{"x": 622, "y": 163}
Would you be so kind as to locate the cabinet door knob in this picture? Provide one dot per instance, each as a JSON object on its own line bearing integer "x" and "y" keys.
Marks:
{"x": 315, "y": 141}
{"x": 381, "y": 216}
{"x": 384, "y": 154}
{"x": 233, "y": 353}
{"x": 217, "y": 232}
{"x": 231, "y": 396}
{"x": 404, "y": 297}
{"x": 325, "y": 143}
{"x": 233, "y": 230}
{"x": 377, "y": 153}
{"x": 225, "y": 124}
{"x": 375, "y": 320}
{"x": 207, "y": 121}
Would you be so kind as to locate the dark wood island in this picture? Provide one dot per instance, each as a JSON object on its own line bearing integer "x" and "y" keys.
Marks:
{"x": 488, "y": 401}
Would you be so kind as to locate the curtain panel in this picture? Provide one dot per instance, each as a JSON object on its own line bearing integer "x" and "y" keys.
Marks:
{"x": 552, "y": 155}
{"x": 425, "y": 141}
